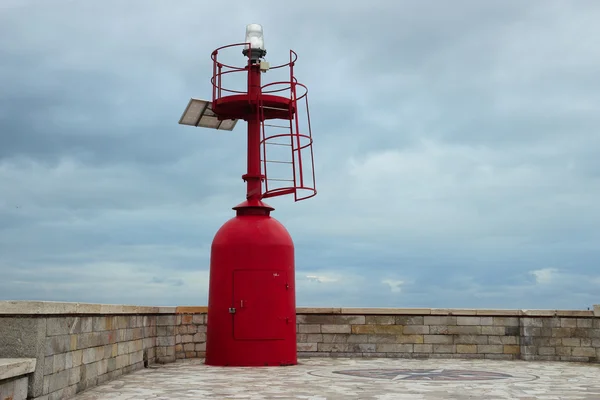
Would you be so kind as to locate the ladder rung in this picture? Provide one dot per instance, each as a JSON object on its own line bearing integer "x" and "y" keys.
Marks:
{"x": 280, "y": 180}
{"x": 277, "y": 126}
{"x": 277, "y": 161}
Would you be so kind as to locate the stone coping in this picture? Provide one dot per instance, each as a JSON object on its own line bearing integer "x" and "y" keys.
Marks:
{"x": 10, "y": 307}
{"x": 13, "y": 367}
{"x": 446, "y": 311}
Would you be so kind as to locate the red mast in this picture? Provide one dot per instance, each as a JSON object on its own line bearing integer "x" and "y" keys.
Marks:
{"x": 252, "y": 303}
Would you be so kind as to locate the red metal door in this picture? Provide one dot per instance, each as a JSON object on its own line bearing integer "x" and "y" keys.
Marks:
{"x": 259, "y": 299}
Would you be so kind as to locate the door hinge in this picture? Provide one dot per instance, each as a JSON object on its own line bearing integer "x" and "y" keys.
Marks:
{"x": 232, "y": 310}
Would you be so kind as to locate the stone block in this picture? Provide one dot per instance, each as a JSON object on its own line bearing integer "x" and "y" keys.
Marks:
{"x": 423, "y": 348}
{"x": 335, "y": 347}
{"x": 547, "y": 351}
{"x": 562, "y": 332}
{"x": 101, "y": 323}
{"x": 166, "y": 340}
{"x": 122, "y": 361}
{"x": 366, "y": 347}
{"x": 307, "y": 347}
{"x": 101, "y": 367}
{"x": 200, "y": 347}
{"x": 490, "y": 348}
{"x": 349, "y": 319}
{"x": 379, "y": 338}
{"x": 309, "y": 337}
{"x": 340, "y": 337}
{"x": 511, "y": 349}
{"x": 59, "y": 363}
{"x": 468, "y": 320}
{"x": 48, "y": 365}
{"x": 568, "y": 322}
{"x": 378, "y": 329}
{"x": 563, "y": 351}
{"x": 471, "y": 339}
{"x": 111, "y": 364}
{"x": 553, "y": 322}
{"x": 189, "y": 347}
{"x": 444, "y": 348}
{"x": 199, "y": 337}
{"x": 493, "y": 330}
{"x": 584, "y": 323}
{"x": 439, "y": 329}
{"x": 546, "y": 332}
{"x": 595, "y": 342}
{"x": 410, "y": 320}
{"x": 314, "y": 319}
{"x": 201, "y": 328}
{"x": 57, "y": 344}
{"x": 572, "y": 342}
{"x": 510, "y": 340}
{"x": 74, "y": 342}
{"x": 416, "y": 329}
{"x": 532, "y": 322}
{"x": 136, "y": 357}
{"x": 326, "y": 328}
{"x": 438, "y": 339}
{"x": 466, "y": 348}
{"x": 414, "y": 339}
{"x": 465, "y": 329}
{"x": 148, "y": 342}
{"x": 186, "y": 319}
{"x": 89, "y": 355}
{"x": 199, "y": 319}
{"x": 584, "y": 352}
{"x": 513, "y": 331}
{"x": 440, "y": 320}
{"x": 86, "y": 325}
{"x": 58, "y": 381}
{"x": 309, "y": 328}
{"x": 165, "y": 320}
{"x": 56, "y": 326}
{"x": 380, "y": 320}
{"x": 394, "y": 348}
{"x": 533, "y": 331}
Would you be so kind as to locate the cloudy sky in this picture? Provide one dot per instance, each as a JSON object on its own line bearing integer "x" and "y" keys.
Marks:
{"x": 457, "y": 150}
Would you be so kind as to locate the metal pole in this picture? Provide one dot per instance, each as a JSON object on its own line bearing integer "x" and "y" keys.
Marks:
{"x": 253, "y": 177}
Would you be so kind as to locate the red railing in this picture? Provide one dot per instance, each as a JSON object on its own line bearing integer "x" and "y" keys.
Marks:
{"x": 295, "y": 134}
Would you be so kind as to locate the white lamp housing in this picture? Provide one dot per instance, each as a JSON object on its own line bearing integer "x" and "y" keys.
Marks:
{"x": 254, "y": 36}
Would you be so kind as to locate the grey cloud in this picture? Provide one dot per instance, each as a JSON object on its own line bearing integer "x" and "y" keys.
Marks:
{"x": 455, "y": 150}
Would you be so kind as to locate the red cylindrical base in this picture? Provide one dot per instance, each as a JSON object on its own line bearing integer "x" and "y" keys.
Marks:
{"x": 252, "y": 301}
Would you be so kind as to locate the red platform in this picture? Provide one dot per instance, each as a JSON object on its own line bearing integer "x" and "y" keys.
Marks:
{"x": 238, "y": 106}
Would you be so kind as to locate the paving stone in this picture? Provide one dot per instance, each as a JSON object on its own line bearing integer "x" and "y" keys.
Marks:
{"x": 315, "y": 379}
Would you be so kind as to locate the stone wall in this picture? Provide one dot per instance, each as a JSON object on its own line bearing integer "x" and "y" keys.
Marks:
{"x": 429, "y": 333}
{"x": 77, "y": 346}
{"x": 553, "y": 335}
{"x": 190, "y": 332}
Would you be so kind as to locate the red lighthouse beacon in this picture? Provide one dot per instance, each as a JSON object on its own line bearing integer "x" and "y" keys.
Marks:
{"x": 252, "y": 298}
